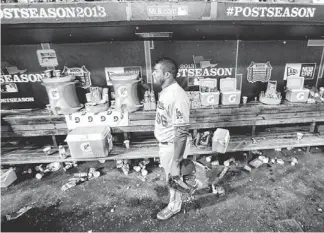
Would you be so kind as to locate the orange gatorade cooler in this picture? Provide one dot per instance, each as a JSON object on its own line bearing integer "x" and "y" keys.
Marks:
{"x": 62, "y": 95}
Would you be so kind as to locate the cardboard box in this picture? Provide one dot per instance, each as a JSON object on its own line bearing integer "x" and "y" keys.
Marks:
{"x": 229, "y": 94}
{"x": 89, "y": 142}
{"x": 296, "y": 91}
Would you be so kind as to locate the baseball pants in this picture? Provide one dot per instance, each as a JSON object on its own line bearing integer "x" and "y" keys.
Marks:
{"x": 166, "y": 154}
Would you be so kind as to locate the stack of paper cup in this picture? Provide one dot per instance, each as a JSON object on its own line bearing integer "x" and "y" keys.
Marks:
{"x": 105, "y": 96}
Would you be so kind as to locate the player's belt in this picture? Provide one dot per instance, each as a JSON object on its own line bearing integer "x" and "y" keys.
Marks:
{"x": 166, "y": 143}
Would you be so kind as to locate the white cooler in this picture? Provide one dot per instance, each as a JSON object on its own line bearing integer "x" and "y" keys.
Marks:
{"x": 89, "y": 142}
{"x": 296, "y": 91}
{"x": 229, "y": 94}
{"x": 211, "y": 97}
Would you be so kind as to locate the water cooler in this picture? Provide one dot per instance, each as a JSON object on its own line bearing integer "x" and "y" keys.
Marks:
{"x": 125, "y": 87}
{"x": 62, "y": 95}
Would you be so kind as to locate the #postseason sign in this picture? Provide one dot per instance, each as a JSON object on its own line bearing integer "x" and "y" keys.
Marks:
{"x": 80, "y": 74}
{"x": 296, "y": 70}
{"x": 269, "y": 11}
{"x": 259, "y": 72}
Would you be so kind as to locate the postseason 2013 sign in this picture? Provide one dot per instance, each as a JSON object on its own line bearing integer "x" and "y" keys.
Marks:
{"x": 126, "y": 11}
{"x": 64, "y": 13}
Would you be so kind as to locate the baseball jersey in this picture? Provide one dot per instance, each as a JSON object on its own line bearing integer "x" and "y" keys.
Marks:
{"x": 173, "y": 109}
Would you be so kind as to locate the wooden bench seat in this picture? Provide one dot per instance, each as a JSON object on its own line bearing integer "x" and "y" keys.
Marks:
{"x": 149, "y": 148}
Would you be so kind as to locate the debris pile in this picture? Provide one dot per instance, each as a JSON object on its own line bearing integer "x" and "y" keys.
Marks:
{"x": 81, "y": 177}
{"x": 52, "y": 167}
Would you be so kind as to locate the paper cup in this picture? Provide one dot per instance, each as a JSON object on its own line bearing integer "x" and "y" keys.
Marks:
{"x": 89, "y": 97}
{"x": 244, "y": 99}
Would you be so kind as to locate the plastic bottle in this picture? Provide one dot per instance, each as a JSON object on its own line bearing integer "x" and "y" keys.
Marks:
{"x": 68, "y": 185}
{"x": 62, "y": 152}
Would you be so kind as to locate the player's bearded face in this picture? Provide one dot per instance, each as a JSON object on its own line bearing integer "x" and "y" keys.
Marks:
{"x": 158, "y": 74}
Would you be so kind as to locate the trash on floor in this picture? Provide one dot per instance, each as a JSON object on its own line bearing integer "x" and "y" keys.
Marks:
{"x": 18, "y": 213}
{"x": 294, "y": 161}
{"x": 264, "y": 159}
{"x": 218, "y": 190}
{"x": 137, "y": 168}
{"x": 69, "y": 165}
{"x": 8, "y": 176}
{"x": 280, "y": 161}
{"x": 124, "y": 165}
{"x": 247, "y": 168}
{"x": 81, "y": 177}
{"x": 228, "y": 162}
{"x": 215, "y": 163}
{"x": 52, "y": 167}
{"x": 256, "y": 162}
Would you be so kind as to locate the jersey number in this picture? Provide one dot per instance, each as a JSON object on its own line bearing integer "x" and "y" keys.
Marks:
{"x": 161, "y": 119}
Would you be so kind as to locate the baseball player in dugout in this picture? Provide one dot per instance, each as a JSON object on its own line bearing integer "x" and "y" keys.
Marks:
{"x": 171, "y": 130}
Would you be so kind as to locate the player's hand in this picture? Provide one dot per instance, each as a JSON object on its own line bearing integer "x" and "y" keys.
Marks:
{"x": 175, "y": 182}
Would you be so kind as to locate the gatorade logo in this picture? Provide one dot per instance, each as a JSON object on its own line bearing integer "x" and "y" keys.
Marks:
{"x": 300, "y": 96}
{"x": 210, "y": 99}
{"x": 103, "y": 118}
{"x": 232, "y": 98}
{"x": 86, "y": 147}
{"x": 77, "y": 120}
{"x": 123, "y": 91}
{"x": 54, "y": 94}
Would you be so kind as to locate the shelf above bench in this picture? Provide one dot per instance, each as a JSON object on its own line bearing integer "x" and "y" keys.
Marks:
{"x": 40, "y": 123}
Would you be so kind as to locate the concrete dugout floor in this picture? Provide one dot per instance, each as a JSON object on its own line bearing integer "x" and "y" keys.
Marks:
{"x": 276, "y": 198}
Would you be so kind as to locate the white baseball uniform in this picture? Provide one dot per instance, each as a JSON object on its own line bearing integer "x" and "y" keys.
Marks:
{"x": 173, "y": 109}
